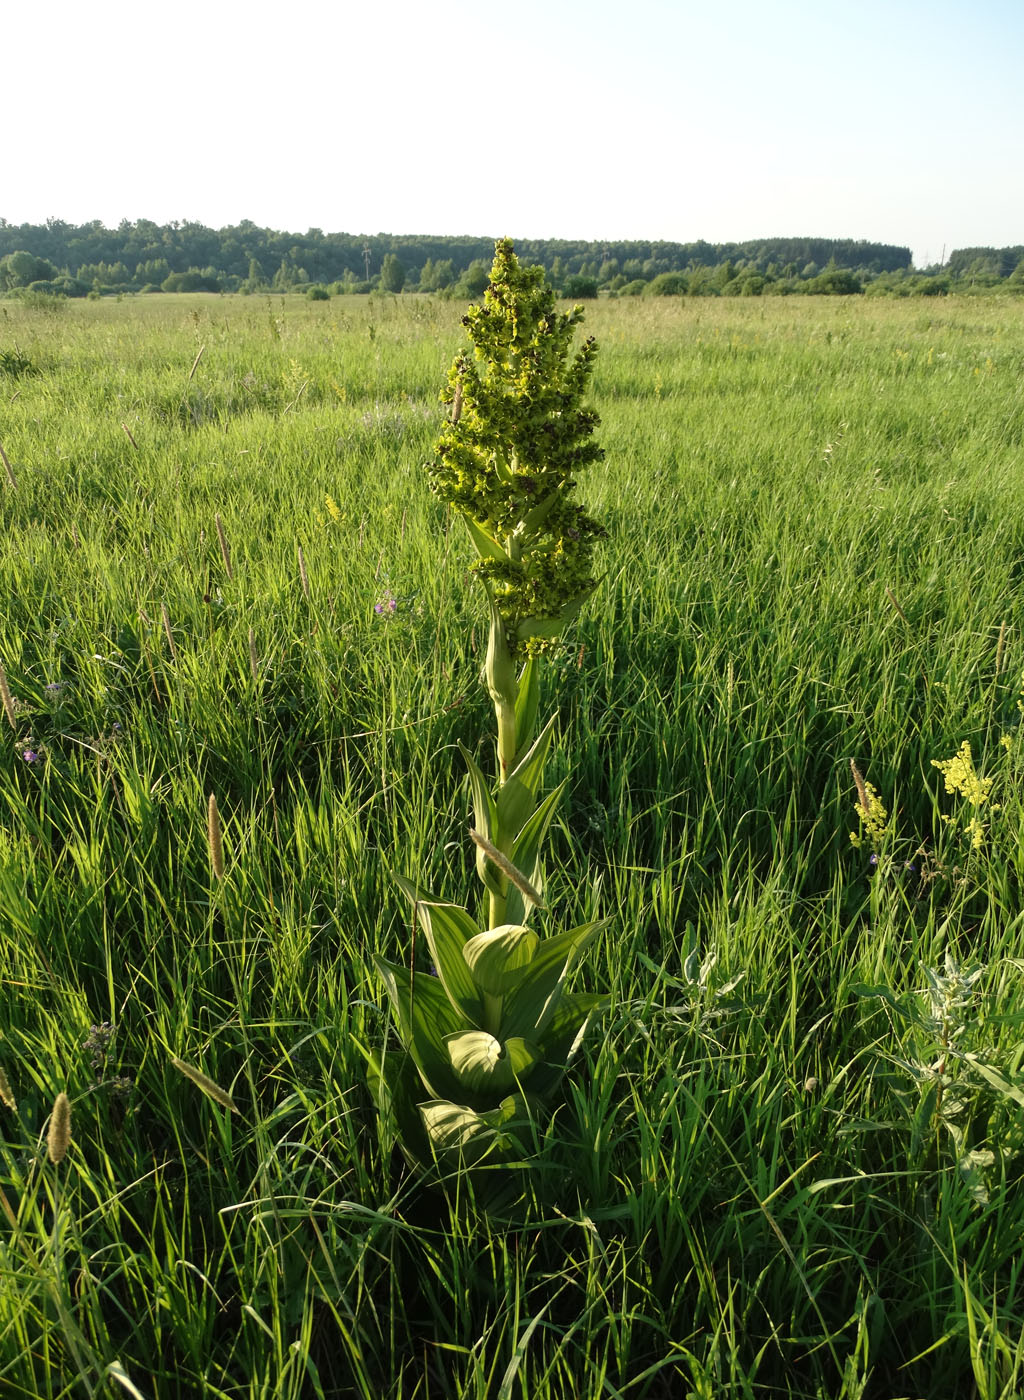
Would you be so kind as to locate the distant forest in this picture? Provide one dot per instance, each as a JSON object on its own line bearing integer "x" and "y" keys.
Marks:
{"x": 58, "y": 258}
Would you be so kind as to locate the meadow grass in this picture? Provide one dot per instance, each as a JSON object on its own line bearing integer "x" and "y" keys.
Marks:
{"x": 758, "y": 1183}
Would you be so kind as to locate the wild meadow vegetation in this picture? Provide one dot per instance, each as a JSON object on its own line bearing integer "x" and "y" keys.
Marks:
{"x": 786, "y": 1159}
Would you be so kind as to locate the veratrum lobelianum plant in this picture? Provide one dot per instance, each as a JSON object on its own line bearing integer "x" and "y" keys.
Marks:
{"x": 487, "y": 1040}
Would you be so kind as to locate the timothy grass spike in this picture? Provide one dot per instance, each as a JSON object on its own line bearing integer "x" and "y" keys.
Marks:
{"x": 58, "y": 1139}
{"x": 214, "y": 837}
{"x": 204, "y": 1082}
{"x": 506, "y": 867}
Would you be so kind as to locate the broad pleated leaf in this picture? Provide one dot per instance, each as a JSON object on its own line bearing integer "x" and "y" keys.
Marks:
{"x": 453, "y": 1128}
{"x": 531, "y": 1004}
{"x": 425, "y": 1019}
{"x": 396, "y": 1087}
{"x": 447, "y": 927}
{"x": 566, "y": 1029}
{"x": 525, "y": 854}
{"x": 517, "y": 796}
{"x": 527, "y": 705}
{"x": 496, "y": 958}
{"x": 484, "y": 1064}
{"x": 486, "y": 819}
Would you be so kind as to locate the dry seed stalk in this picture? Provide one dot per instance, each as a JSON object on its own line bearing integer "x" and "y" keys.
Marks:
{"x": 892, "y": 599}
{"x": 862, "y": 792}
{"x": 214, "y": 838}
{"x": 303, "y": 576}
{"x": 58, "y": 1138}
{"x": 128, "y": 434}
{"x": 254, "y": 661}
{"x": 507, "y": 868}
{"x": 207, "y": 1085}
{"x": 999, "y": 646}
{"x": 5, "y": 698}
{"x": 9, "y": 470}
{"x": 6, "y": 1092}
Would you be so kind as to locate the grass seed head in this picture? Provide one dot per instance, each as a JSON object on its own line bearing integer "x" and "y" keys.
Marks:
{"x": 6, "y": 1092}
{"x": 204, "y": 1082}
{"x": 214, "y": 838}
{"x": 58, "y": 1139}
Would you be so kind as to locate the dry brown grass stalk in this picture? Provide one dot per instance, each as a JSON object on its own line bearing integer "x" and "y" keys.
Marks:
{"x": 204, "y": 1082}
{"x": 507, "y": 868}
{"x": 6, "y": 1092}
{"x": 862, "y": 792}
{"x": 58, "y": 1139}
{"x": 165, "y": 619}
{"x": 7, "y": 700}
{"x": 214, "y": 837}
{"x": 9, "y": 470}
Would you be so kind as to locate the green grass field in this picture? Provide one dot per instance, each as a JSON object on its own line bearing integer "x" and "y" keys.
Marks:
{"x": 787, "y": 1164}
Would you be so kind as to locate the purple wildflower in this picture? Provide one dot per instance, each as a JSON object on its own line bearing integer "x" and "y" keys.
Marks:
{"x": 873, "y": 859}
{"x": 387, "y": 604}
{"x": 30, "y": 756}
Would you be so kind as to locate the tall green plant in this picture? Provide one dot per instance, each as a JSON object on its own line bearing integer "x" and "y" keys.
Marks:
{"x": 486, "y": 1042}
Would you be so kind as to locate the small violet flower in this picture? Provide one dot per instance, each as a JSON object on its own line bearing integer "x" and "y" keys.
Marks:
{"x": 30, "y": 756}
{"x": 387, "y": 604}
{"x": 872, "y": 860}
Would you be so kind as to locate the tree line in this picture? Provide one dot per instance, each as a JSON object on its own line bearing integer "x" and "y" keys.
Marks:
{"x": 82, "y": 259}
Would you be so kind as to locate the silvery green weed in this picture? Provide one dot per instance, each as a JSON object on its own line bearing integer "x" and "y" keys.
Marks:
{"x": 486, "y": 1041}
{"x": 952, "y": 1076}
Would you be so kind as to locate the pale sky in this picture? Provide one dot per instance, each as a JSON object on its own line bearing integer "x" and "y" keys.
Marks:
{"x": 898, "y": 121}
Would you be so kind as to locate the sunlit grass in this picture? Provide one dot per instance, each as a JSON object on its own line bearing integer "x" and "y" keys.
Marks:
{"x": 816, "y": 530}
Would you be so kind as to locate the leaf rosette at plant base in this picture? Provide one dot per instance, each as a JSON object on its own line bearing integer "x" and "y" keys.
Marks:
{"x": 486, "y": 1041}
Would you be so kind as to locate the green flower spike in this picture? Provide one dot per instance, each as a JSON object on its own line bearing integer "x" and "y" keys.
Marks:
{"x": 487, "y": 1041}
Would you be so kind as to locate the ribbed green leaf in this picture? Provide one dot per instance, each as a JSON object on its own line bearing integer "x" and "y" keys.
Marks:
{"x": 486, "y": 820}
{"x": 484, "y": 1064}
{"x": 395, "y": 1085}
{"x": 447, "y": 928}
{"x": 453, "y": 1128}
{"x": 530, "y": 1005}
{"x": 527, "y": 705}
{"x": 525, "y": 855}
{"x": 517, "y": 796}
{"x": 566, "y": 1029}
{"x": 425, "y": 1019}
{"x": 496, "y": 958}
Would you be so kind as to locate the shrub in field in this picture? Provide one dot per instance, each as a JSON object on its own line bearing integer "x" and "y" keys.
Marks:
{"x": 486, "y": 1041}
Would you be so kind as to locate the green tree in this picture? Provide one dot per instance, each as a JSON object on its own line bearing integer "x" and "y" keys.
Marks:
{"x": 392, "y": 274}
{"x": 579, "y": 287}
{"x": 19, "y": 268}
